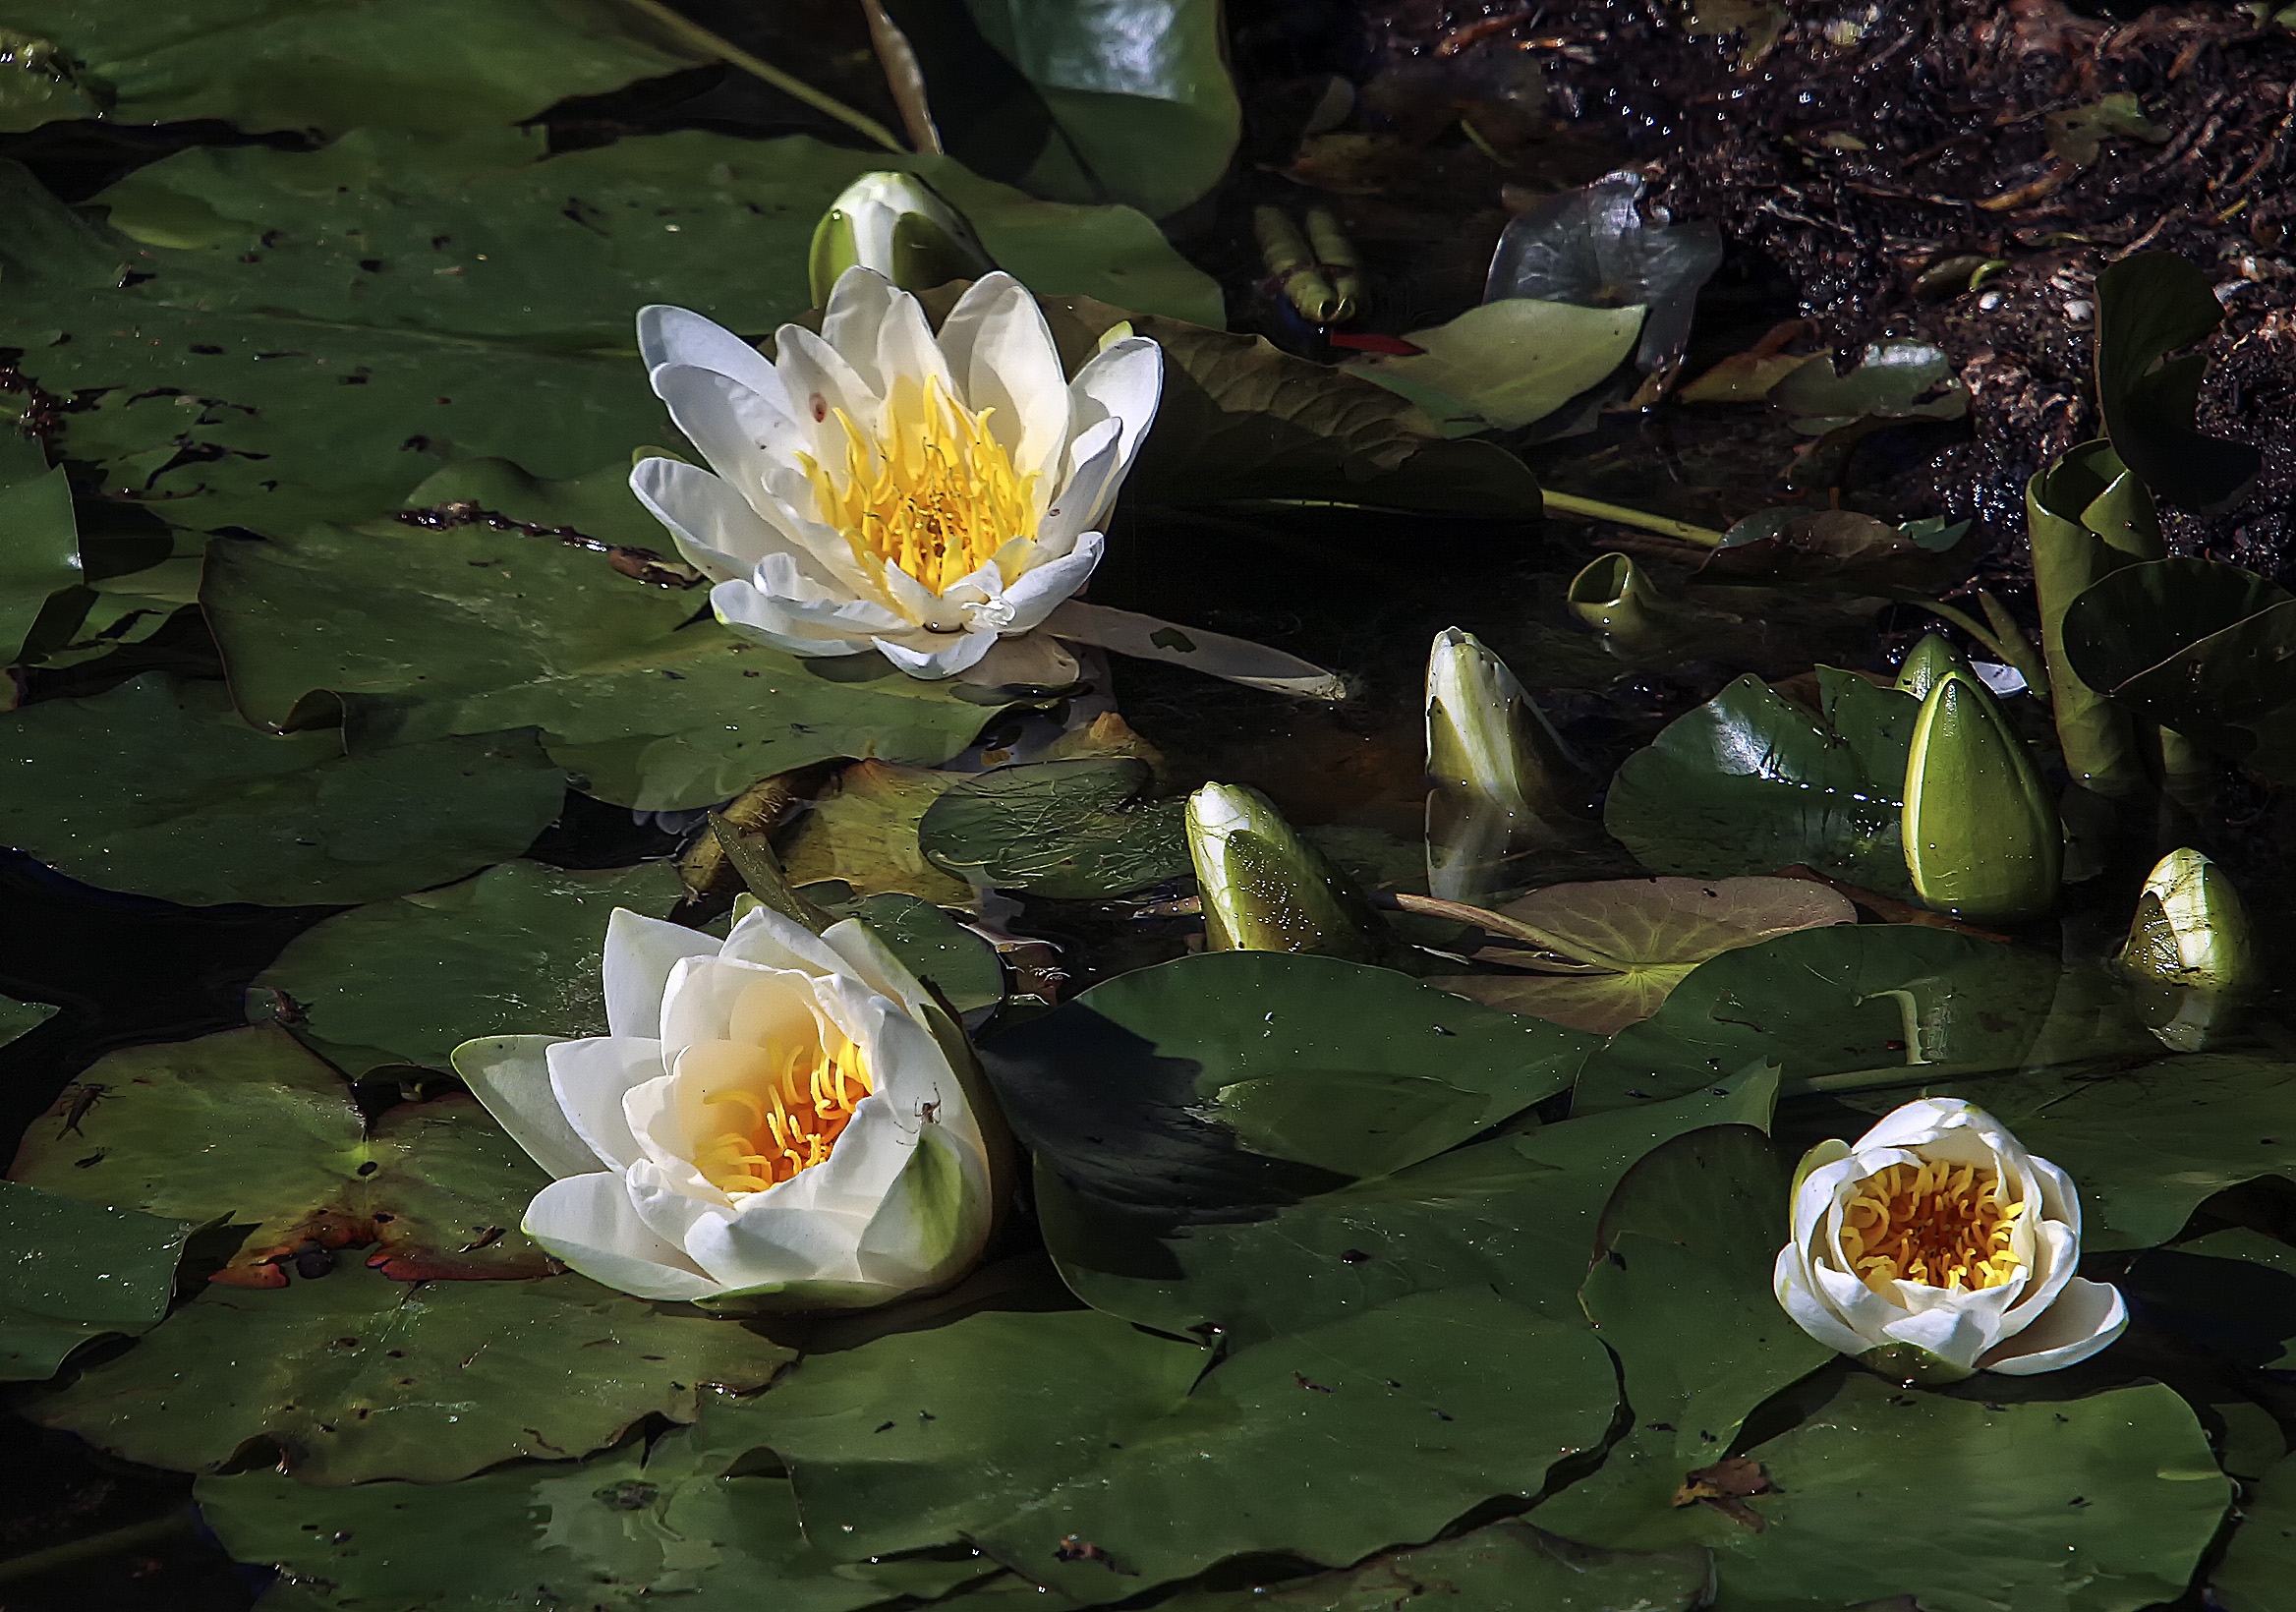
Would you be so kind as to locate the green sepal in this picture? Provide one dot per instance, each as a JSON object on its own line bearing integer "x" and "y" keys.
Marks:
{"x": 1926, "y": 666}
{"x": 1981, "y": 835}
{"x": 1263, "y": 887}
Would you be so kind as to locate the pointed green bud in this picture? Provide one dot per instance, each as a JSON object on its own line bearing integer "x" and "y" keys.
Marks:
{"x": 1927, "y": 663}
{"x": 2190, "y": 954}
{"x": 898, "y": 225}
{"x": 1981, "y": 837}
{"x": 1614, "y": 597}
{"x": 1502, "y": 776}
{"x": 1263, "y": 887}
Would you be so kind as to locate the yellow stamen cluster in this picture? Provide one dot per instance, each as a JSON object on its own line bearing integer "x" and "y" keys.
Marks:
{"x": 791, "y": 1122}
{"x": 938, "y": 495}
{"x": 1942, "y": 1225}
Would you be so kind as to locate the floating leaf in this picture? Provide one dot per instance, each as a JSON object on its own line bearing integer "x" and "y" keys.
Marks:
{"x": 2260, "y": 1563}
{"x": 944, "y": 953}
{"x": 157, "y": 788}
{"x": 246, "y": 1126}
{"x": 1832, "y": 549}
{"x": 421, "y": 633}
{"x": 1646, "y": 934}
{"x": 2148, "y": 306}
{"x": 1750, "y": 782}
{"x": 1891, "y": 380}
{"x": 357, "y": 1377}
{"x": 2232, "y": 1292}
{"x": 74, "y": 1271}
{"x": 39, "y": 541}
{"x": 512, "y": 952}
{"x": 1504, "y": 364}
{"x": 1071, "y": 829}
{"x": 864, "y": 830}
{"x": 2206, "y": 649}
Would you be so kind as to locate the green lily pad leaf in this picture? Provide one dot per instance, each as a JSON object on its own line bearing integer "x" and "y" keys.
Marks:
{"x": 2094, "y": 1505}
{"x": 616, "y": 1532}
{"x": 1221, "y": 1084}
{"x": 433, "y": 65}
{"x": 1044, "y": 1433}
{"x": 1836, "y": 549}
{"x": 863, "y": 830}
{"x": 157, "y": 788}
{"x": 1752, "y": 782}
{"x": 1516, "y": 1215}
{"x": 76, "y": 1271}
{"x": 2233, "y": 1291}
{"x": 944, "y": 953}
{"x": 259, "y": 373}
{"x": 1871, "y": 1000}
{"x": 357, "y": 1377}
{"x": 39, "y": 540}
{"x": 1892, "y": 380}
{"x": 1648, "y": 935}
{"x": 1506, "y": 1565}
{"x": 1071, "y": 829}
{"x": 2146, "y": 1146}
{"x": 18, "y": 1017}
{"x": 598, "y": 506}
{"x": 1681, "y": 1291}
{"x": 2148, "y": 306}
{"x": 1506, "y": 364}
{"x": 423, "y": 633}
{"x": 2206, "y": 649}
{"x": 2261, "y": 1562}
{"x": 246, "y": 1126}
{"x": 514, "y": 950}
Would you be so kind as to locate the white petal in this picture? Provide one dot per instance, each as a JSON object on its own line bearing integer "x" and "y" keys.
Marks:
{"x": 822, "y": 384}
{"x": 947, "y": 655}
{"x": 882, "y": 332}
{"x": 1121, "y": 382}
{"x": 1238, "y": 660}
{"x": 761, "y": 1242}
{"x": 641, "y": 954}
{"x": 1004, "y": 358}
{"x": 1955, "y": 1333}
{"x": 707, "y": 996}
{"x": 716, "y": 528}
{"x": 1910, "y": 1124}
{"x": 1789, "y": 1280}
{"x": 511, "y": 1075}
{"x": 738, "y": 431}
{"x": 764, "y": 938}
{"x": 678, "y": 335}
{"x": 799, "y": 628}
{"x": 932, "y": 1221}
{"x": 2087, "y": 1317}
{"x": 590, "y": 1078}
{"x": 590, "y": 1223}
{"x": 1043, "y": 587}
{"x": 858, "y": 951}
{"x": 1085, "y": 498}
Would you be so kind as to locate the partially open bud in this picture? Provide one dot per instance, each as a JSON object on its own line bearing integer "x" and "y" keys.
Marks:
{"x": 1613, "y": 597}
{"x": 1263, "y": 887}
{"x": 1927, "y": 663}
{"x": 2189, "y": 953}
{"x": 1981, "y": 837}
{"x": 898, "y": 225}
{"x": 1501, "y": 775}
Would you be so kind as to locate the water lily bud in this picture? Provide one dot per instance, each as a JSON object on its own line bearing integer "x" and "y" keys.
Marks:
{"x": 1981, "y": 837}
{"x": 1926, "y": 663}
{"x": 898, "y": 225}
{"x": 1935, "y": 1246}
{"x": 1336, "y": 256}
{"x": 1263, "y": 887}
{"x": 771, "y": 1122}
{"x": 1614, "y": 597}
{"x": 1502, "y": 776}
{"x": 2189, "y": 953}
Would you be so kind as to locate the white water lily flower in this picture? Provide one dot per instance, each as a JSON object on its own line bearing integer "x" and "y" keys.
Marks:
{"x": 879, "y": 486}
{"x": 771, "y": 1118}
{"x": 1939, "y": 1239}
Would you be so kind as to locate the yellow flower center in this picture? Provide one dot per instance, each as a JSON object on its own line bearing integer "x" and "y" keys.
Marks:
{"x": 1942, "y": 1225}
{"x": 789, "y": 1121}
{"x": 938, "y": 496}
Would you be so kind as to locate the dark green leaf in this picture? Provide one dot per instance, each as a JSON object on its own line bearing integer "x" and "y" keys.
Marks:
{"x": 356, "y": 1376}
{"x": 73, "y": 1270}
{"x": 2261, "y": 1562}
{"x": 2148, "y": 306}
{"x": 2232, "y": 1292}
{"x": 39, "y": 541}
{"x": 162, "y": 790}
{"x": 1891, "y": 380}
{"x": 1752, "y": 782}
{"x": 940, "y": 951}
{"x": 1072, "y": 829}
{"x": 513, "y": 952}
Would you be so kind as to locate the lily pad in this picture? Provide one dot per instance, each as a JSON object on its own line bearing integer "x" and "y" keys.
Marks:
{"x": 2148, "y": 306}
{"x": 514, "y": 950}
{"x": 421, "y": 633}
{"x": 1645, "y": 934}
{"x": 1750, "y": 782}
{"x": 356, "y": 1377}
{"x": 1891, "y": 380}
{"x": 1071, "y": 829}
{"x": 39, "y": 540}
{"x": 2261, "y": 1562}
{"x": 1506, "y": 364}
{"x": 74, "y": 1271}
{"x": 2232, "y": 1292}
{"x": 1837, "y": 550}
{"x": 863, "y": 830}
{"x": 942, "y": 953}
{"x": 246, "y": 1126}
{"x": 1041, "y": 1434}
{"x": 2205, "y": 648}
{"x": 158, "y": 789}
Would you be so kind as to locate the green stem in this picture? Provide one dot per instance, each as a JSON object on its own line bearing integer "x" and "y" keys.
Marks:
{"x": 702, "y": 40}
{"x": 1967, "y": 622}
{"x": 1570, "y": 503}
{"x": 134, "y": 1536}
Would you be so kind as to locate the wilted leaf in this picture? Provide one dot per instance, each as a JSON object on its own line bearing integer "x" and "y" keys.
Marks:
{"x": 157, "y": 788}
{"x": 864, "y": 830}
{"x": 1507, "y": 362}
{"x": 1071, "y": 829}
{"x": 1835, "y": 549}
{"x": 74, "y": 1271}
{"x": 2148, "y": 306}
{"x": 1647, "y": 933}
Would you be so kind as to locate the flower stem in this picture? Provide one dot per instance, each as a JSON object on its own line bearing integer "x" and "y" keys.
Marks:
{"x": 1570, "y": 503}
{"x": 700, "y": 38}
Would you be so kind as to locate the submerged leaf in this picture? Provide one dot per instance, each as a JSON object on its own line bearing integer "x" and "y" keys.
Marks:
{"x": 863, "y": 830}
{"x": 1070, "y": 830}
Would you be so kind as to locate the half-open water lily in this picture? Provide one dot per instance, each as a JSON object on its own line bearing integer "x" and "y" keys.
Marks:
{"x": 770, "y": 1120}
{"x": 1936, "y": 1246}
